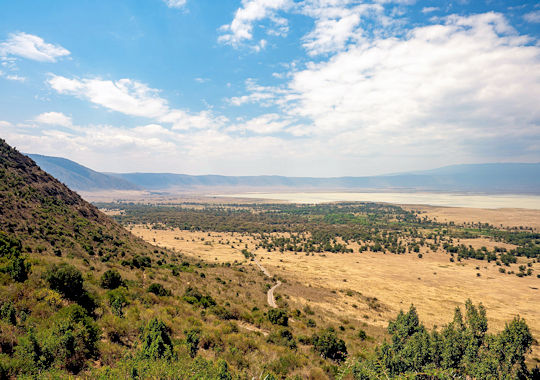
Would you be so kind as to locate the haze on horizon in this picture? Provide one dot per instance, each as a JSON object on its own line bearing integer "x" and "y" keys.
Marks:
{"x": 321, "y": 88}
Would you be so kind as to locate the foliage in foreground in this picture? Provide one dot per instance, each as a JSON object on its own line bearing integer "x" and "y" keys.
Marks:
{"x": 463, "y": 349}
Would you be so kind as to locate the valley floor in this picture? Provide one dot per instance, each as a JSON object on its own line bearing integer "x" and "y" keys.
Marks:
{"x": 372, "y": 287}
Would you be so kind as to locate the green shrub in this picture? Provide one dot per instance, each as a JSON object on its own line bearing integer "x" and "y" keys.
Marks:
{"x": 194, "y": 297}
{"x": 278, "y": 317}
{"x": 141, "y": 262}
{"x": 11, "y": 261}
{"x": 117, "y": 301}
{"x": 73, "y": 338}
{"x": 158, "y": 290}
{"x": 362, "y": 334}
{"x": 111, "y": 279}
{"x": 68, "y": 344}
{"x": 193, "y": 338}
{"x": 67, "y": 280}
{"x": 8, "y": 313}
{"x": 156, "y": 341}
{"x": 329, "y": 346}
{"x": 283, "y": 337}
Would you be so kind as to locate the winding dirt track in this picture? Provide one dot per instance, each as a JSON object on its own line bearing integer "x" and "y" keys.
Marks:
{"x": 270, "y": 294}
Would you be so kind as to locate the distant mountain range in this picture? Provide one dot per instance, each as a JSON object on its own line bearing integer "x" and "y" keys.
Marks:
{"x": 512, "y": 178}
{"x": 78, "y": 177}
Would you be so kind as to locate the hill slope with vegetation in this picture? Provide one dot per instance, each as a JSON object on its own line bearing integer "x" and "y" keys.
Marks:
{"x": 81, "y": 296}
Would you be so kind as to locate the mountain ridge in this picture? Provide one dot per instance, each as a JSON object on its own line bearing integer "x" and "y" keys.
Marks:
{"x": 481, "y": 178}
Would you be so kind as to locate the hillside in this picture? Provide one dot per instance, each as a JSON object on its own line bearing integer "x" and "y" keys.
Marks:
{"x": 48, "y": 216}
{"x": 79, "y": 177}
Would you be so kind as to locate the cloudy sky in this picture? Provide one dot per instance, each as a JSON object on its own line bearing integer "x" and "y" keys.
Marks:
{"x": 289, "y": 87}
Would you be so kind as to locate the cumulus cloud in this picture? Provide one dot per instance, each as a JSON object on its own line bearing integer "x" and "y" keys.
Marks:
{"x": 133, "y": 98}
{"x": 125, "y": 95}
{"x": 54, "y": 118}
{"x": 443, "y": 90}
{"x": 32, "y": 47}
{"x": 241, "y": 27}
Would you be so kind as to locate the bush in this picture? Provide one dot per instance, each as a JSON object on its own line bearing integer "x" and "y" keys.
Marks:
{"x": 141, "y": 262}
{"x": 68, "y": 343}
{"x": 8, "y": 313}
{"x": 111, "y": 279}
{"x": 362, "y": 334}
{"x": 329, "y": 346}
{"x": 193, "y": 338}
{"x": 278, "y": 317}
{"x": 194, "y": 297}
{"x": 67, "y": 280}
{"x": 11, "y": 261}
{"x": 73, "y": 338}
{"x": 283, "y": 337}
{"x": 117, "y": 301}
{"x": 158, "y": 290}
{"x": 156, "y": 341}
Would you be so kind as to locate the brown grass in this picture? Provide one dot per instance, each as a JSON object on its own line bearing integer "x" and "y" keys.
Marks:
{"x": 373, "y": 287}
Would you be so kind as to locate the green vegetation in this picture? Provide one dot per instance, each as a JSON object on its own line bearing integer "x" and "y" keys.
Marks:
{"x": 462, "y": 349}
{"x": 81, "y": 297}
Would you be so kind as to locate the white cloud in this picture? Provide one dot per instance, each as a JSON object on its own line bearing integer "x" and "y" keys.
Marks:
{"x": 175, "y": 3}
{"x": 265, "y": 96}
{"x": 54, "y": 118}
{"x": 5, "y": 124}
{"x": 533, "y": 17}
{"x": 264, "y": 124}
{"x": 241, "y": 28}
{"x": 133, "y": 98}
{"x": 429, "y": 9}
{"x": 441, "y": 83}
{"x": 31, "y": 47}
{"x": 125, "y": 95}
{"x": 443, "y": 91}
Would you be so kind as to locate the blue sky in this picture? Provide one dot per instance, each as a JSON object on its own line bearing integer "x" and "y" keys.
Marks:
{"x": 303, "y": 87}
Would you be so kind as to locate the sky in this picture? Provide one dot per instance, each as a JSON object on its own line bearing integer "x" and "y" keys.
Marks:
{"x": 271, "y": 87}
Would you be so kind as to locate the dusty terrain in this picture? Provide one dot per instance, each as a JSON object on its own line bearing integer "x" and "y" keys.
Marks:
{"x": 373, "y": 287}
{"x": 506, "y": 217}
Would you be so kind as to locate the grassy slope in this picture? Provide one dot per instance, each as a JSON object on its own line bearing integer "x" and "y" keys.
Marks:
{"x": 55, "y": 225}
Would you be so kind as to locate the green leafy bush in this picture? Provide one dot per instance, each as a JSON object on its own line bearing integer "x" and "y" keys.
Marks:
{"x": 278, "y": 317}
{"x": 194, "y": 297}
{"x": 67, "y": 280}
{"x": 67, "y": 344}
{"x": 111, "y": 279}
{"x": 8, "y": 313}
{"x": 11, "y": 261}
{"x": 117, "y": 301}
{"x": 329, "y": 346}
{"x": 156, "y": 341}
{"x": 158, "y": 290}
{"x": 193, "y": 338}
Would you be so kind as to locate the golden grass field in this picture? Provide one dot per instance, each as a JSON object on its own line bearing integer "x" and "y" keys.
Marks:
{"x": 373, "y": 287}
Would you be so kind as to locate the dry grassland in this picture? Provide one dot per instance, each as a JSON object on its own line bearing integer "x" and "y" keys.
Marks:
{"x": 506, "y": 217}
{"x": 373, "y": 287}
